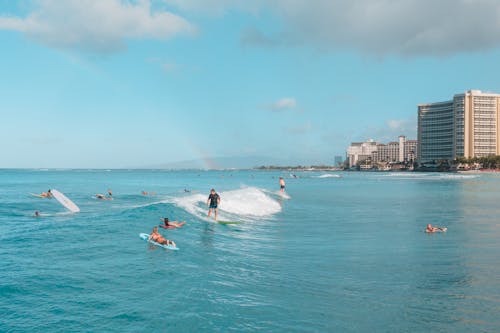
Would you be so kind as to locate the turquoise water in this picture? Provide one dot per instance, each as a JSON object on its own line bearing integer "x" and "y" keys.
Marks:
{"x": 347, "y": 253}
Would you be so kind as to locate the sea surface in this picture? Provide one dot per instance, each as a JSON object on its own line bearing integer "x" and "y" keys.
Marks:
{"x": 345, "y": 252}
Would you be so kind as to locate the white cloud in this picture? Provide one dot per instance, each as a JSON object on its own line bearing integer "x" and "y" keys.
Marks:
{"x": 391, "y": 130}
{"x": 407, "y": 27}
{"x": 395, "y": 124}
{"x": 95, "y": 25}
{"x": 283, "y": 104}
{"x": 377, "y": 27}
{"x": 215, "y": 7}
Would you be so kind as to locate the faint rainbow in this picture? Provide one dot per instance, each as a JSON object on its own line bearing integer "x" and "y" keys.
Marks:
{"x": 203, "y": 156}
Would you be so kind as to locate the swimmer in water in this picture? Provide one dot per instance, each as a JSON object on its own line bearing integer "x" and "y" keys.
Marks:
{"x": 103, "y": 197}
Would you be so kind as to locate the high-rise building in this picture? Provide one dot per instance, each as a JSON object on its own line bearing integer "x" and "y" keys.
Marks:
{"x": 467, "y": 126}
{"x": 338, "y": 160}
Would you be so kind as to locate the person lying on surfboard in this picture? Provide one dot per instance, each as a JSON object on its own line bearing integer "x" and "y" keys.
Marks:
{"x": 47, "y": 194}
{"x": 431, "y": 228}
{"x": 155, "y": 236}
{"x": 103, "y": 197}
{"x": 171, "y": 224}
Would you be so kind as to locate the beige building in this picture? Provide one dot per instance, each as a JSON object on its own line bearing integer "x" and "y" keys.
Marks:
{"x": 360, "y": 151}
{"x": 465, "y": 126}
{"x": 402, "y": 150}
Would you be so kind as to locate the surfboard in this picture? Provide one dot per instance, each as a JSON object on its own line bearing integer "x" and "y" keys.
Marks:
{"x": 63, "y": 200}
{"x": 283, "y": 195}
{"x": 37, "y": 195}
{"x": 146, "y": 236}
{"x": 228, "y": 222}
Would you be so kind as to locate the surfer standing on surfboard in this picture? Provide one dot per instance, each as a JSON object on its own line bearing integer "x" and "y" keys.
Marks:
{"x": 213, "y": 202}
{"x": 282, "y": 185}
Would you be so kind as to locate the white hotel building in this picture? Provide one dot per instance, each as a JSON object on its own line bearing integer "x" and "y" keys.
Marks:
{"x": 393, "y": 152}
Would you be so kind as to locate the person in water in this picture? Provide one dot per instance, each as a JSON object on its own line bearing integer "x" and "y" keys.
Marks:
{"x": 213, "y": 202}
{"x": 282, "y": 185}
{"x": 171, "y": 224}
{"x": 47, "y": 194}
{"x": 37, "y": 213}
{"x": 103, "y": 197}
{"x": 431, "y": 228}
{"x": 155, "y": 236}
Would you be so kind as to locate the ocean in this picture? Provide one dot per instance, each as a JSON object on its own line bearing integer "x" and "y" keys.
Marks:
{"x": 346, "y": 252}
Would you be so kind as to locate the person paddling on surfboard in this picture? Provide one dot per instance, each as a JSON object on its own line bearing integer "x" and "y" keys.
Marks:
{"x": 171, "y": 224}
{"x": 213, "y": 202}
{"x": 103, "y": 197}
{"x": 47, "y": 194}
{"x": 430, "y": 228}
{"x": 155, "y": 236}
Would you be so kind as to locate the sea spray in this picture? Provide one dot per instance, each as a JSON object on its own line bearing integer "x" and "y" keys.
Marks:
{"x": 241, "y": 203}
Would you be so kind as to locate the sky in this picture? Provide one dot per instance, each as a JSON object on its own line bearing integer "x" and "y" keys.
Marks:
{"x": 125, "y": 84}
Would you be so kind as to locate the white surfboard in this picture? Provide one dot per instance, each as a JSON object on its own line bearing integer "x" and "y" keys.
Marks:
{"x": 63, "y": 200}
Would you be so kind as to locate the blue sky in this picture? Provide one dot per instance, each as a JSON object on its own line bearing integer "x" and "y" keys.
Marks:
{"x": 112, "y": 84}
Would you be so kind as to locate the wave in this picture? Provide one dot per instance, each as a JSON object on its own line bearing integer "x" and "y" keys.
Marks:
{"x": 277, "y": 194}
{"x": 327, "y": 175}
{"x": 242, "y": 204}
{"x": 429, "y": 176}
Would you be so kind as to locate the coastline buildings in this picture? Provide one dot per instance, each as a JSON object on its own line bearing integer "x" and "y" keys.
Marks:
{"x": 399, "y": 151}
{"x": 466, "y": 126}
{"x": 360, "y": 151}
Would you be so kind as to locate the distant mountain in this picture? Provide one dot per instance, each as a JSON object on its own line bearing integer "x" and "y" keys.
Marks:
{"x": 234, "y": 162}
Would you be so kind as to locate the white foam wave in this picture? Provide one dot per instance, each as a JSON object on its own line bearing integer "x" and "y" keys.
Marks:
{"x": 429, "y": 176}
{"x": 248, "y": 202}
{"x": 278, "y": 194}
{"x": 328, "y": 175}
{"x": 459, "y": 176}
